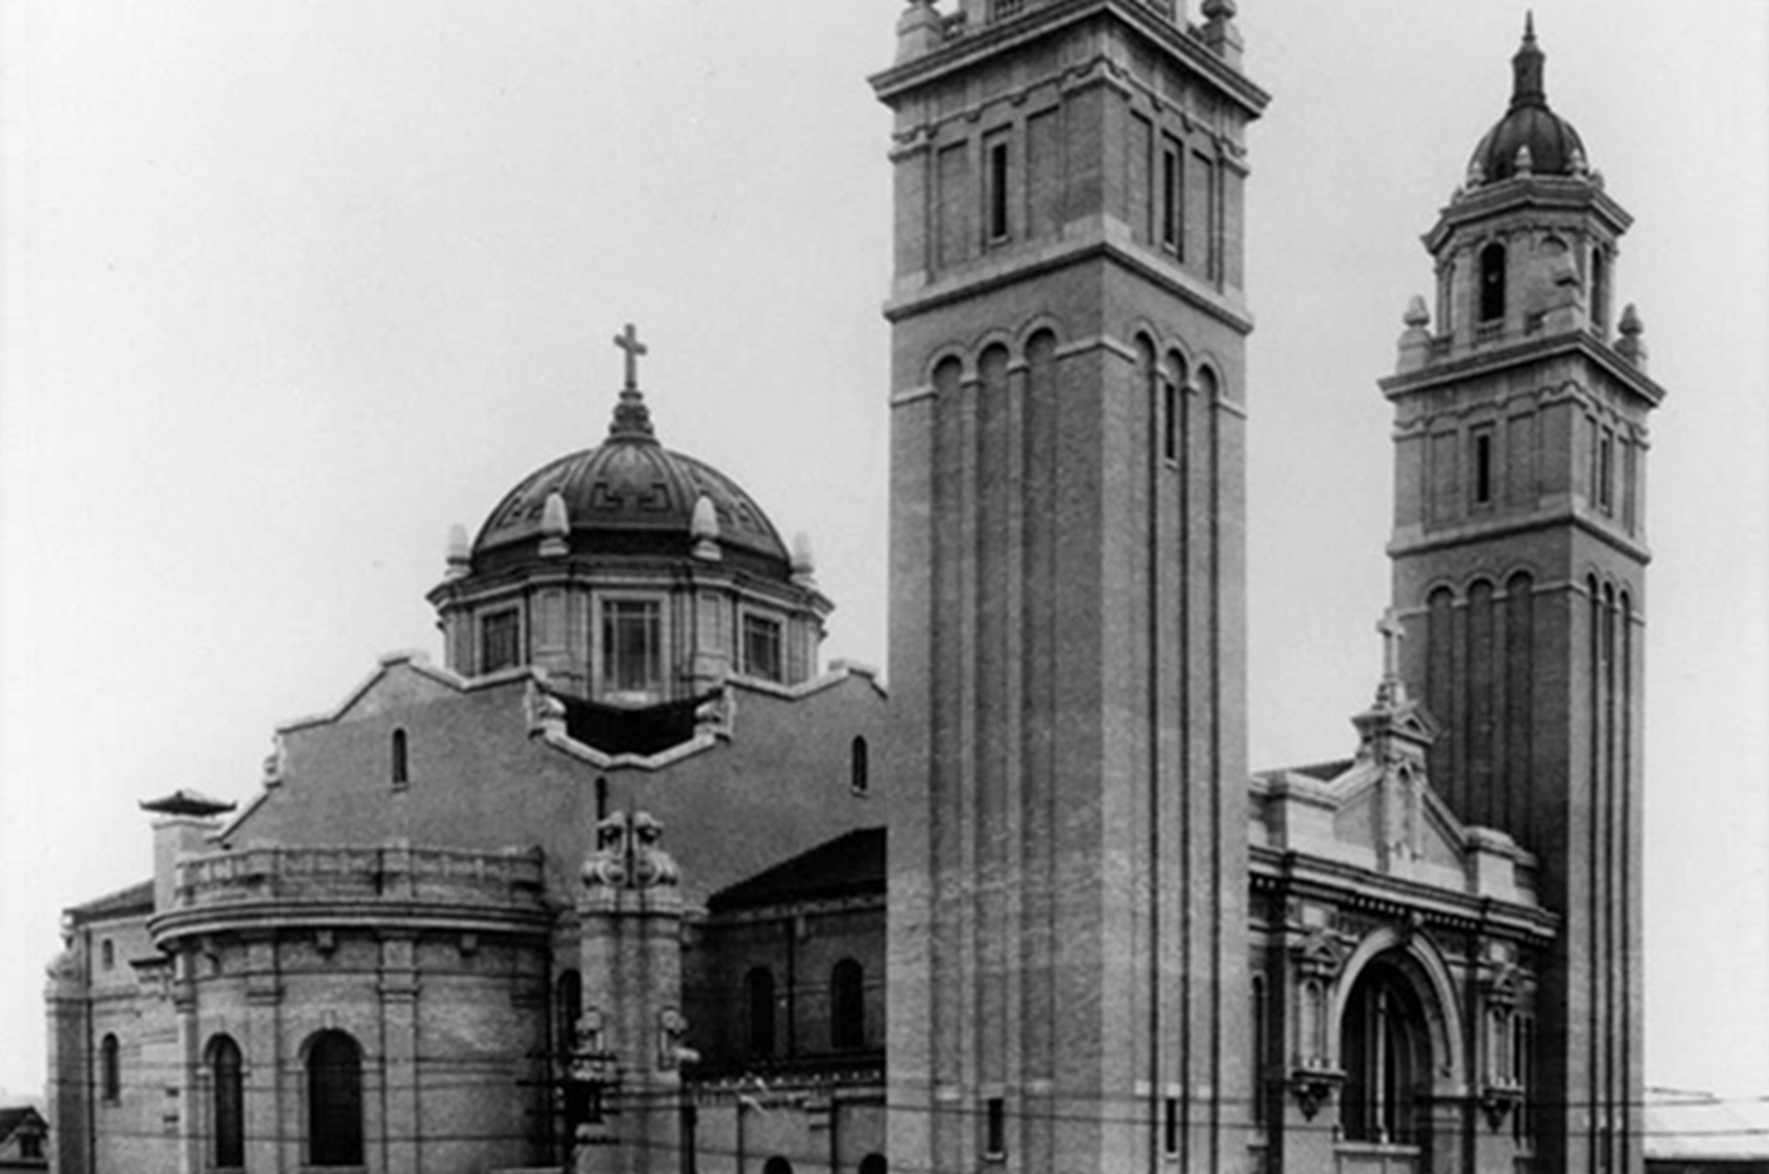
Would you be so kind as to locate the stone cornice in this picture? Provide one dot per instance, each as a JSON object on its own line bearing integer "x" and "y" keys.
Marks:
{"x": 965, "y": 51}
{"x": 1036, "y": 261}
{"x": 1552, "y": 193}
{"x": 1418, "y": 543}
{"x": 1490, "y": 360}
{"x": 1351, "y": 887}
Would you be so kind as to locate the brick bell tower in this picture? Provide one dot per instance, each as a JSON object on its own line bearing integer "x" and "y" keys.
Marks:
{"x": 1068, "y": 895}
{"x": 1519, "y": 556}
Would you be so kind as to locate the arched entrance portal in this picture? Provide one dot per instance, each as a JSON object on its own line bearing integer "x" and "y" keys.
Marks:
{"x": 1385, "y": 1049}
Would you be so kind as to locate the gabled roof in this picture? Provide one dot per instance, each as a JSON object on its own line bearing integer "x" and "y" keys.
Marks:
{"x": 134, "y": 899}
{"x": 851, "y": 865}
{"x": 14, "y": 1116}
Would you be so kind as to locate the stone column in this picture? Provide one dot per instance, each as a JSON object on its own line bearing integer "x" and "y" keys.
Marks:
{"x": 264, "y": 1073}
{"x": 70, "y": 1059}
{"x": 399, "y": 1052}
{"x": 191, "y": 1110}
{"x": 629, "y": 1039}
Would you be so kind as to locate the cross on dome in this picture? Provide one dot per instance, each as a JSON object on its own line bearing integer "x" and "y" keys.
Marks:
{"x": 628, "y": 341}
{"x": 632, "y": 420}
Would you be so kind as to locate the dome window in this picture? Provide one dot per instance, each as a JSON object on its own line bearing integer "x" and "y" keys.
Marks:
{"x": 632, "y": 649}
{"x": 500, "y": 641}
{"x": 761, "y": 648}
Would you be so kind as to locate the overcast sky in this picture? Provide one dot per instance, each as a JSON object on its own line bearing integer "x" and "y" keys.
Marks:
{"x": 286, "y": 289}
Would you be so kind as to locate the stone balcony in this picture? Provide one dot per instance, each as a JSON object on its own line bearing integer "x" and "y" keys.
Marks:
{"x": 378, "y": 884}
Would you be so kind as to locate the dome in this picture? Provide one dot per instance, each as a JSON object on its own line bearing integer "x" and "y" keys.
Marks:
{"x": 629, "y": 495}
{"x": 1554, "y": 146}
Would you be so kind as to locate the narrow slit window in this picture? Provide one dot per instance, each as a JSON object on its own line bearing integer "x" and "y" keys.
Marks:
{"x": 1483, "y": 468}
{"x": 995, "y": 1128}
{"x": 401, "y": 774}
{"x": 859, "y": 767}
{"x": 1169, "y": 420}
{"x": 998, "y": 204}
{"x": 111, "y": 1069}
{"x": 1170, "y": 1127}
{"x": 1170, "y": 199}
{"x": 1606, "y": 472}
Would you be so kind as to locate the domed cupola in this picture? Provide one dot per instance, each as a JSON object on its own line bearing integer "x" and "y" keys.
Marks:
{"x": 635, "y": 575}
{"x": 1531, "y": 139}
{"x": 630, "y": 496}
{"x": 1526, "y": 247}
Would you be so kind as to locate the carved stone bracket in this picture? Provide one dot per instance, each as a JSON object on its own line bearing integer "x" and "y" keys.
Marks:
{"x": 1321, "y": 954}
{"x": 1313, "y": 1087}
{"x": 1497, "y": 1101}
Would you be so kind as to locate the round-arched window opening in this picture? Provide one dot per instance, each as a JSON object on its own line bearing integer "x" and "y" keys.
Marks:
{"x": 1385, "y": 1051}
{"x": 776, "y": 1165}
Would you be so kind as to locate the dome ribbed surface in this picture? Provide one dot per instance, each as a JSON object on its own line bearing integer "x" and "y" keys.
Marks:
{"x": 1554, "y": 146}
{"x": 631, "y": 495}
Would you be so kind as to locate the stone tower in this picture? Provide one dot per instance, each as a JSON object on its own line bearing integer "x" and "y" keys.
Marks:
{"x": 1519, "y": 556}
{"x": 1067, "y": 913}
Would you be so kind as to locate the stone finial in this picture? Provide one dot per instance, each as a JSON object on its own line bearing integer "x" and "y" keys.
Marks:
{"x": 1631, "y": 346}
{"x": 804, "y": 564}
{"x": 1417, "y": 315}
{"x": 1220, "y": 33}
{"x": 628, "y": 856}
{"x": 1528, "y": 68}
{"x": 555, "y": 526}
{"x": 460, "y": 554}
{"x": 1525, "y": 162}
{"x": 704, "y": 528}
{"x": 1415, "y": 340}
{"x": 1575, "y": 163}
{"x": 919, "y": 30}
{"x": 276, "y": 762}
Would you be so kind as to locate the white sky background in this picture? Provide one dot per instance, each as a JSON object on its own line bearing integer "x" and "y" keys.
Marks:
{"x": 288, "y": 288}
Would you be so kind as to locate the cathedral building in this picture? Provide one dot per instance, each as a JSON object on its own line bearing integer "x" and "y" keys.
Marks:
{"x": 631, "y": 883}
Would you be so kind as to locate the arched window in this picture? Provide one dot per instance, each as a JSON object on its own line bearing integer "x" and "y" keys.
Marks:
{"x": 859, "y": 767}
{"x": 110, "y": 1068}
{"x": 227, "y": 1108}
{"x": 1386, "y": 1054}
{"x": 847, "y": 1006}
{"x": 108, "y": 951}
{"x": 334, "y": 1100}
{"x": 758, "y": 999}
{"x": 400, "y": 775}
{"x": 776, "y": 1165}
{"x": 1492, "y": 282}
{"x": 873, "y": 1164}
{"x": 568, "y": 1008}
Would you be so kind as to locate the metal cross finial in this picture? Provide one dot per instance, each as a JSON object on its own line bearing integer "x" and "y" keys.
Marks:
{"x": 1392, "y": 634}
{"x": 628, "y": 341}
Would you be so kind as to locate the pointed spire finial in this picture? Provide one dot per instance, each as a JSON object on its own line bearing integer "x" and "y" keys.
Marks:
{"x": 1527, "y": 69}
